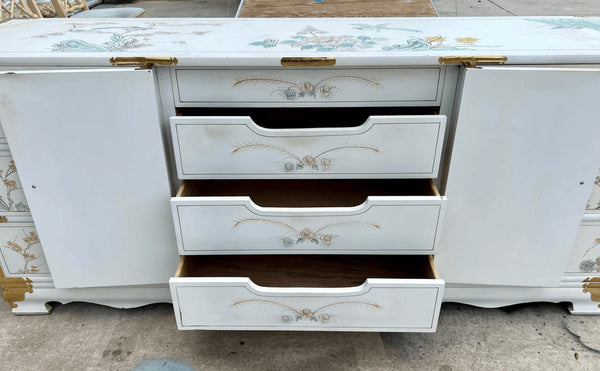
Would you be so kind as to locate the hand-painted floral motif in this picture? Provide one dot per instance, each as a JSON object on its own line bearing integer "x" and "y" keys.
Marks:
{"x": 291, "y": 90}
{"x": 117, "y": 43}
{"x": 570, "y": 23}
{"x": 590, "y": 265}
{"x": 11, "y": 182}
{"x": 32, "y": 242}
{"x": 436, "y": 42}
{"x": 311, "y": 38}
{"x": 291, "y": 315}
{"x": 295, "y": 163}
{"x": 122, "y": 37}
{"x": 296, "y": 236}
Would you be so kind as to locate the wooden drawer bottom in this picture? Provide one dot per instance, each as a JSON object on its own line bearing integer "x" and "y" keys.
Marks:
{"x": 314, "y": 293}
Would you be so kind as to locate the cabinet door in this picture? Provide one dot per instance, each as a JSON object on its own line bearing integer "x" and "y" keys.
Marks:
{"x": 524, "y": 160}
{"x": 89, "y": 150}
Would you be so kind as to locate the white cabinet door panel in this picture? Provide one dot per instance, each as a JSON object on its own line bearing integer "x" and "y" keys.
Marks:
{"x": 524, "y": 160}
{"x": 90, "y": 156}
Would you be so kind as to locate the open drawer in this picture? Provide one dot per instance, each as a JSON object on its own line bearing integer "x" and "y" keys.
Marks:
{"x": 308, "y": 216}
{"x": 307, "y": 143}
{"x": 328, "y": 293}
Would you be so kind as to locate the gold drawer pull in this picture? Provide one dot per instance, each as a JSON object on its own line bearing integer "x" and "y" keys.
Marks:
{"x": 473, "y": 60}
{"x": 307, "y": 61}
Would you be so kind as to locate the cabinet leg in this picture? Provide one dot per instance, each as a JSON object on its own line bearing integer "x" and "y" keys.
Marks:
{"x": 584, "y": 307}
{"x": 31, "y": 307}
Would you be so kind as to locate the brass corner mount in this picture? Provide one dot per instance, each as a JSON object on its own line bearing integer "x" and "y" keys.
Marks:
{"x": 14, "y": 288}
{"x": 145, "y": 63}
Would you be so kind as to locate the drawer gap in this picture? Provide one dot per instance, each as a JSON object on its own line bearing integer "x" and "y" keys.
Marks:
{"x": 308, "y": 193}
{"x": 309, "y": 270}
{"x": 306, "y": 118}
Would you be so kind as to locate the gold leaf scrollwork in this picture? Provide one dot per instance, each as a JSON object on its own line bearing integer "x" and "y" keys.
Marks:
{"x": 14, "y": 288}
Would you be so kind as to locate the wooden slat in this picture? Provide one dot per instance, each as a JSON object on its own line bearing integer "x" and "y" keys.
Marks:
{"x": 337, "y": 8}
{"x": 433, "y": 268}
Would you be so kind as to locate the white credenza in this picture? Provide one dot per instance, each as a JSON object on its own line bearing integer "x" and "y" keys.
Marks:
{"x": 307, "y": 174}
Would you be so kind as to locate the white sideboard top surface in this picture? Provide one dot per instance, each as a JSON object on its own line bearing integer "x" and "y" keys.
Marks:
{"x": 262, "y": 42}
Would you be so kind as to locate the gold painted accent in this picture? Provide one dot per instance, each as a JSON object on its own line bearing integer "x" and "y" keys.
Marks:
{"x": 471, "y": 61}
{"x": 592, "y": 285}
{"x": 14, "y": 288}
{"x": 3, "y": 219}
{"x": 144, "y": 62}
{"x": 439, "y": 39}
{"x": 467, "y": 40}
{"x": 307, "y": 61}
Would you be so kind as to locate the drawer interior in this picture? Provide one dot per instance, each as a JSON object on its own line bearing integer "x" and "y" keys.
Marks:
{"x": 308, "y": 193}
{"x": 309, "y": 270}
{"x": 306, "y": 118}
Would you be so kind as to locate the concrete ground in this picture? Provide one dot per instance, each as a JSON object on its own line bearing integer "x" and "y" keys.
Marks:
{"x": 446, "y": 8}
{"x": 82, "y": 336}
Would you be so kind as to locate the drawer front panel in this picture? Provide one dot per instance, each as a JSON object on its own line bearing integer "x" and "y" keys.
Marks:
{"x": 414, "y": 86}
{"x": 235, "y": 147}
{"x": 12, "y": 197}
{"x": 378, "y": 305}
{"x": 382, "y": 225}
{"x": 21, "y": 251}
{"x": 585, "y": 255}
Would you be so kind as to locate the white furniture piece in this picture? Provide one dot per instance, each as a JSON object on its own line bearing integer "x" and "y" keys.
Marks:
{"x": 307, "y": 174}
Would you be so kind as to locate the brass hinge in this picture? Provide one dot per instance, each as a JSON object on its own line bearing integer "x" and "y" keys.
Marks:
{"x": 307, "y": 61}
{"x": 471, "y": 61}
{"x": 145, "y": 63}
{"x": 3, "y": 219}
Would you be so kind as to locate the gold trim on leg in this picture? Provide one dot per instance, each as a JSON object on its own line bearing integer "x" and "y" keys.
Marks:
{"x": 14, "y": 288}
{"x": 592, "y": 285}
